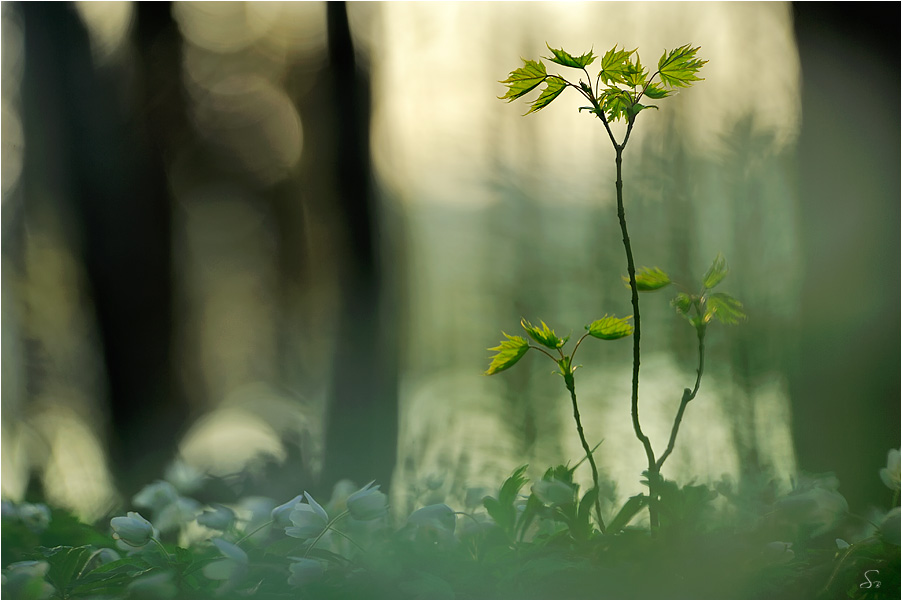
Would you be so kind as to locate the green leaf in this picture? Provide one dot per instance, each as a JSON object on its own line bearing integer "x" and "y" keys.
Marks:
{"x": 635, "y": 74}
{"x": 610, "y": 327}
{"x": 634, "y": 110}
{"x": 511, "y": 487}
{"x": 678, "y": 68}
{"x": 649, "y": 279}
{"x": 653, "y": 91}
{"x": 716, "y": 273}
{"x": 65, "y": 565}
{"x": 532, "y": 509}
{"x": 544, "y": 336}
{"x": 521, "y": 81}
{"x": 682, "y": 302}
{"x": 585, "y": 510}
{"x": 614, "y": 65}
{"x": 508, "y": 353}
{"x": 724, "y": 308}
{"x": 502, "y": 509}
{"x": 615, "y": 103}
{"x": 633, "y": 506}
{"x": 566, "y": 59}
{"x": 105, "y": 581}
{"x": 555, "y": 85}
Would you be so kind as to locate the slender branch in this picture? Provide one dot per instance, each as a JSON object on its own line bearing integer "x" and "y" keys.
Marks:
{"x": 688, "y": 395}
{"x": 629, "y": 130}
{"x": 637, "y": 334}
{"x": 571, "y": 386}
{"x": 580, "y": 462}
{"x": 589, "y": 81}
{"x": 578, "y": 342}
{"x": 546, "y": 353}
{"x": 637, "y": 321}
{"x": 600, "y": 114}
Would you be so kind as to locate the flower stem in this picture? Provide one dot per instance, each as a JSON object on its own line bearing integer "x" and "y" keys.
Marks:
{"x": 163, "y": 549}
{"x": 326, "y": 528}
{"x": 254, "y": 531}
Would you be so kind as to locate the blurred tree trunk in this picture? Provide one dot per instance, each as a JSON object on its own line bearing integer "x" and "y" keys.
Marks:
{"x": 105, "y": 162}
{"x": 846, "y": 403}
{"x": 362, "y": 415}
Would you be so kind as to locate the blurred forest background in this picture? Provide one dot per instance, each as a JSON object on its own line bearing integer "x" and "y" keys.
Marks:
{"x": 272, "y": 241}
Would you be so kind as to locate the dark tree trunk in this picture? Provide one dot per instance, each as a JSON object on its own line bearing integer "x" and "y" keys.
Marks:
{"x": 846, "y": 389}
{"x": 106, "y": 166}
{"x": 361, "y": 430}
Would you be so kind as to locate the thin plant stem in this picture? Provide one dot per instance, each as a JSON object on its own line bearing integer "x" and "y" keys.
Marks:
{"x": 254, "y": 531}
{"x": 637, "y": 335}
{"x": 163, "y": 549}
{"x": 326, "y": 528}
{"x": 688, "y": 395}
{"x": 571, "y": 386}
{"x": 348, "y": 538}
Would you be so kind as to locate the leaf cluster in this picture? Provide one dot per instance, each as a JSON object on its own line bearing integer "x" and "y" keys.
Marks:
{"x": 510, "y": 351}
{"x": 698, "y": 308}
{"x": 619, "y": 86}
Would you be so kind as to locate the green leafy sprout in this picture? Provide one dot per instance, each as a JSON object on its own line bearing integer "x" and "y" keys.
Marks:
{"x": 618, "y": 92}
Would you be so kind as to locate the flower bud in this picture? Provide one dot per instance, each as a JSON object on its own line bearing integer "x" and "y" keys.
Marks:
{"x": 304, "y": 571}
{"x": 156, "y": 496}
{"x": 309, "y": 519}
{"x": 891, "y": 473}
{"x": 438, "y": 517}
{"x": 779, "y": 552}
{"x": 233, "y": 565}
{"x": 889, "y": 527}
{"x": 280, "y": 514}
{"x": 132, "y": 529}
{"x": 35, "y": 516}
{"x": 219, "y": 518}
{"x": 155, "y": 585}
{"x": 27, "y": 580}
{"x": 367, "y": 503}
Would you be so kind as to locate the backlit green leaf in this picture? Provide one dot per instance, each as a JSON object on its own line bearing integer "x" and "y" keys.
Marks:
{"x": 653, "y": 91}
{"x": 562, "y": 57}
{"x": 634, "y": 110}
{"x": 716, "y": 273}
{"x": 511, "y": 487}
{"x": 521, "y": 81}
{"x": 614, "y": 65}
{"x": 508, "y": 353}
{"x": 502, "y": 509}
{"x": 650, "y": 278}
{"x": 555, "y": 85}
{"x": 724, "y": 308}
{"x": 678, "y": 68}
{"x": 65, "y": 564}
{"x": 615, "y": 103}
{"x": 635, "y": 74}
{"x": 544, "y": 335}
{"x": 610, "y": 327}
{"x": 682, "y": 302}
